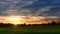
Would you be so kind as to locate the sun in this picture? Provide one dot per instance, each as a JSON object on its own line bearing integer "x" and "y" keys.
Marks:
{"x": 15, "y": 20}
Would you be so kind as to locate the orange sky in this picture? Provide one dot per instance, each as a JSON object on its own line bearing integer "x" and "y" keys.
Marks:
{"x": 24, "y": 19}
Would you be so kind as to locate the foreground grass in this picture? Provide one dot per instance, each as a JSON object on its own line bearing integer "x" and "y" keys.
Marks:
{"x": 30, "y": 30}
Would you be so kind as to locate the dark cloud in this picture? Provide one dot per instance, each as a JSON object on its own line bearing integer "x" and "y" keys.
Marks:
{"x": 54, "y": 11}
{"x": 34, "y": 7}
{"x": 43, "y": 3}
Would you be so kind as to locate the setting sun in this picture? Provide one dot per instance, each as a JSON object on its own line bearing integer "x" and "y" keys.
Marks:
{"x": 15, "y": 20}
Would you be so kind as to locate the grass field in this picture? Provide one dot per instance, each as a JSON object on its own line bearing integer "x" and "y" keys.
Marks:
{"x": 30, "y": 30}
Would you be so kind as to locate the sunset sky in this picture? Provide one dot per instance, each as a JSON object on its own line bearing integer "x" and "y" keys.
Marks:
{"x": 29, "y": 11}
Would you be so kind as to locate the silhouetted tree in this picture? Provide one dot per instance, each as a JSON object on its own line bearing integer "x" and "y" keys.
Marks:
{"x": 43, "y": 24}
{"x": 24, "y": 23}
{"x": 49, "y": 23}
{"x": 53, "y": 23}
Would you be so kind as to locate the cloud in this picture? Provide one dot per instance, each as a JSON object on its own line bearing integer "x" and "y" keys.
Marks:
{"x": 53, "y": 11}
{"x": 8, "y": 0}
{"x": 31, "y": 7}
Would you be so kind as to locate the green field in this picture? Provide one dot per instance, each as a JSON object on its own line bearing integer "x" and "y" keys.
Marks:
{"x": 30, "y": 30}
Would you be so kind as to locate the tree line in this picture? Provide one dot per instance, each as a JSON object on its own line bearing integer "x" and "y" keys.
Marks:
{"x": 9, "y": 24}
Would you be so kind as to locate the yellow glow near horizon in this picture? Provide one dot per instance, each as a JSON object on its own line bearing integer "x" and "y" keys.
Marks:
{"x": 22, "y": 19}
{"x": 15, "y": 20}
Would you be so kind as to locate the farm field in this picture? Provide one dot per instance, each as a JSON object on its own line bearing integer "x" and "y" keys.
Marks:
{"x": 30, "y": 30}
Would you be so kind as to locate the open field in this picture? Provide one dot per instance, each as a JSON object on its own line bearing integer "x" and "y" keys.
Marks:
{"x": 30, "y": 30}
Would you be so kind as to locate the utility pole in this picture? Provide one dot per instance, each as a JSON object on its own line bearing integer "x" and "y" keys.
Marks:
{"x": 46, "y": 18}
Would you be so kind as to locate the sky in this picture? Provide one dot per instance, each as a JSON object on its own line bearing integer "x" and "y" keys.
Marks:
{"x": 28, "y": 8}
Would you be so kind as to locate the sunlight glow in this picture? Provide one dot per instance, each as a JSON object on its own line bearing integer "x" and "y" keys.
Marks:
{"x": 23, "y": 19}
{"x": 15, "y": 20}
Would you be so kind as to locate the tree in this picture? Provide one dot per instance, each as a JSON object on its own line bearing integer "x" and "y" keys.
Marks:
{"x": 24, "y": 23}
{"x": 53, "y": 22}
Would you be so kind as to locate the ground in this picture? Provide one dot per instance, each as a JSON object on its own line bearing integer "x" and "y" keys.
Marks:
{"x": 30, "y": 30}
